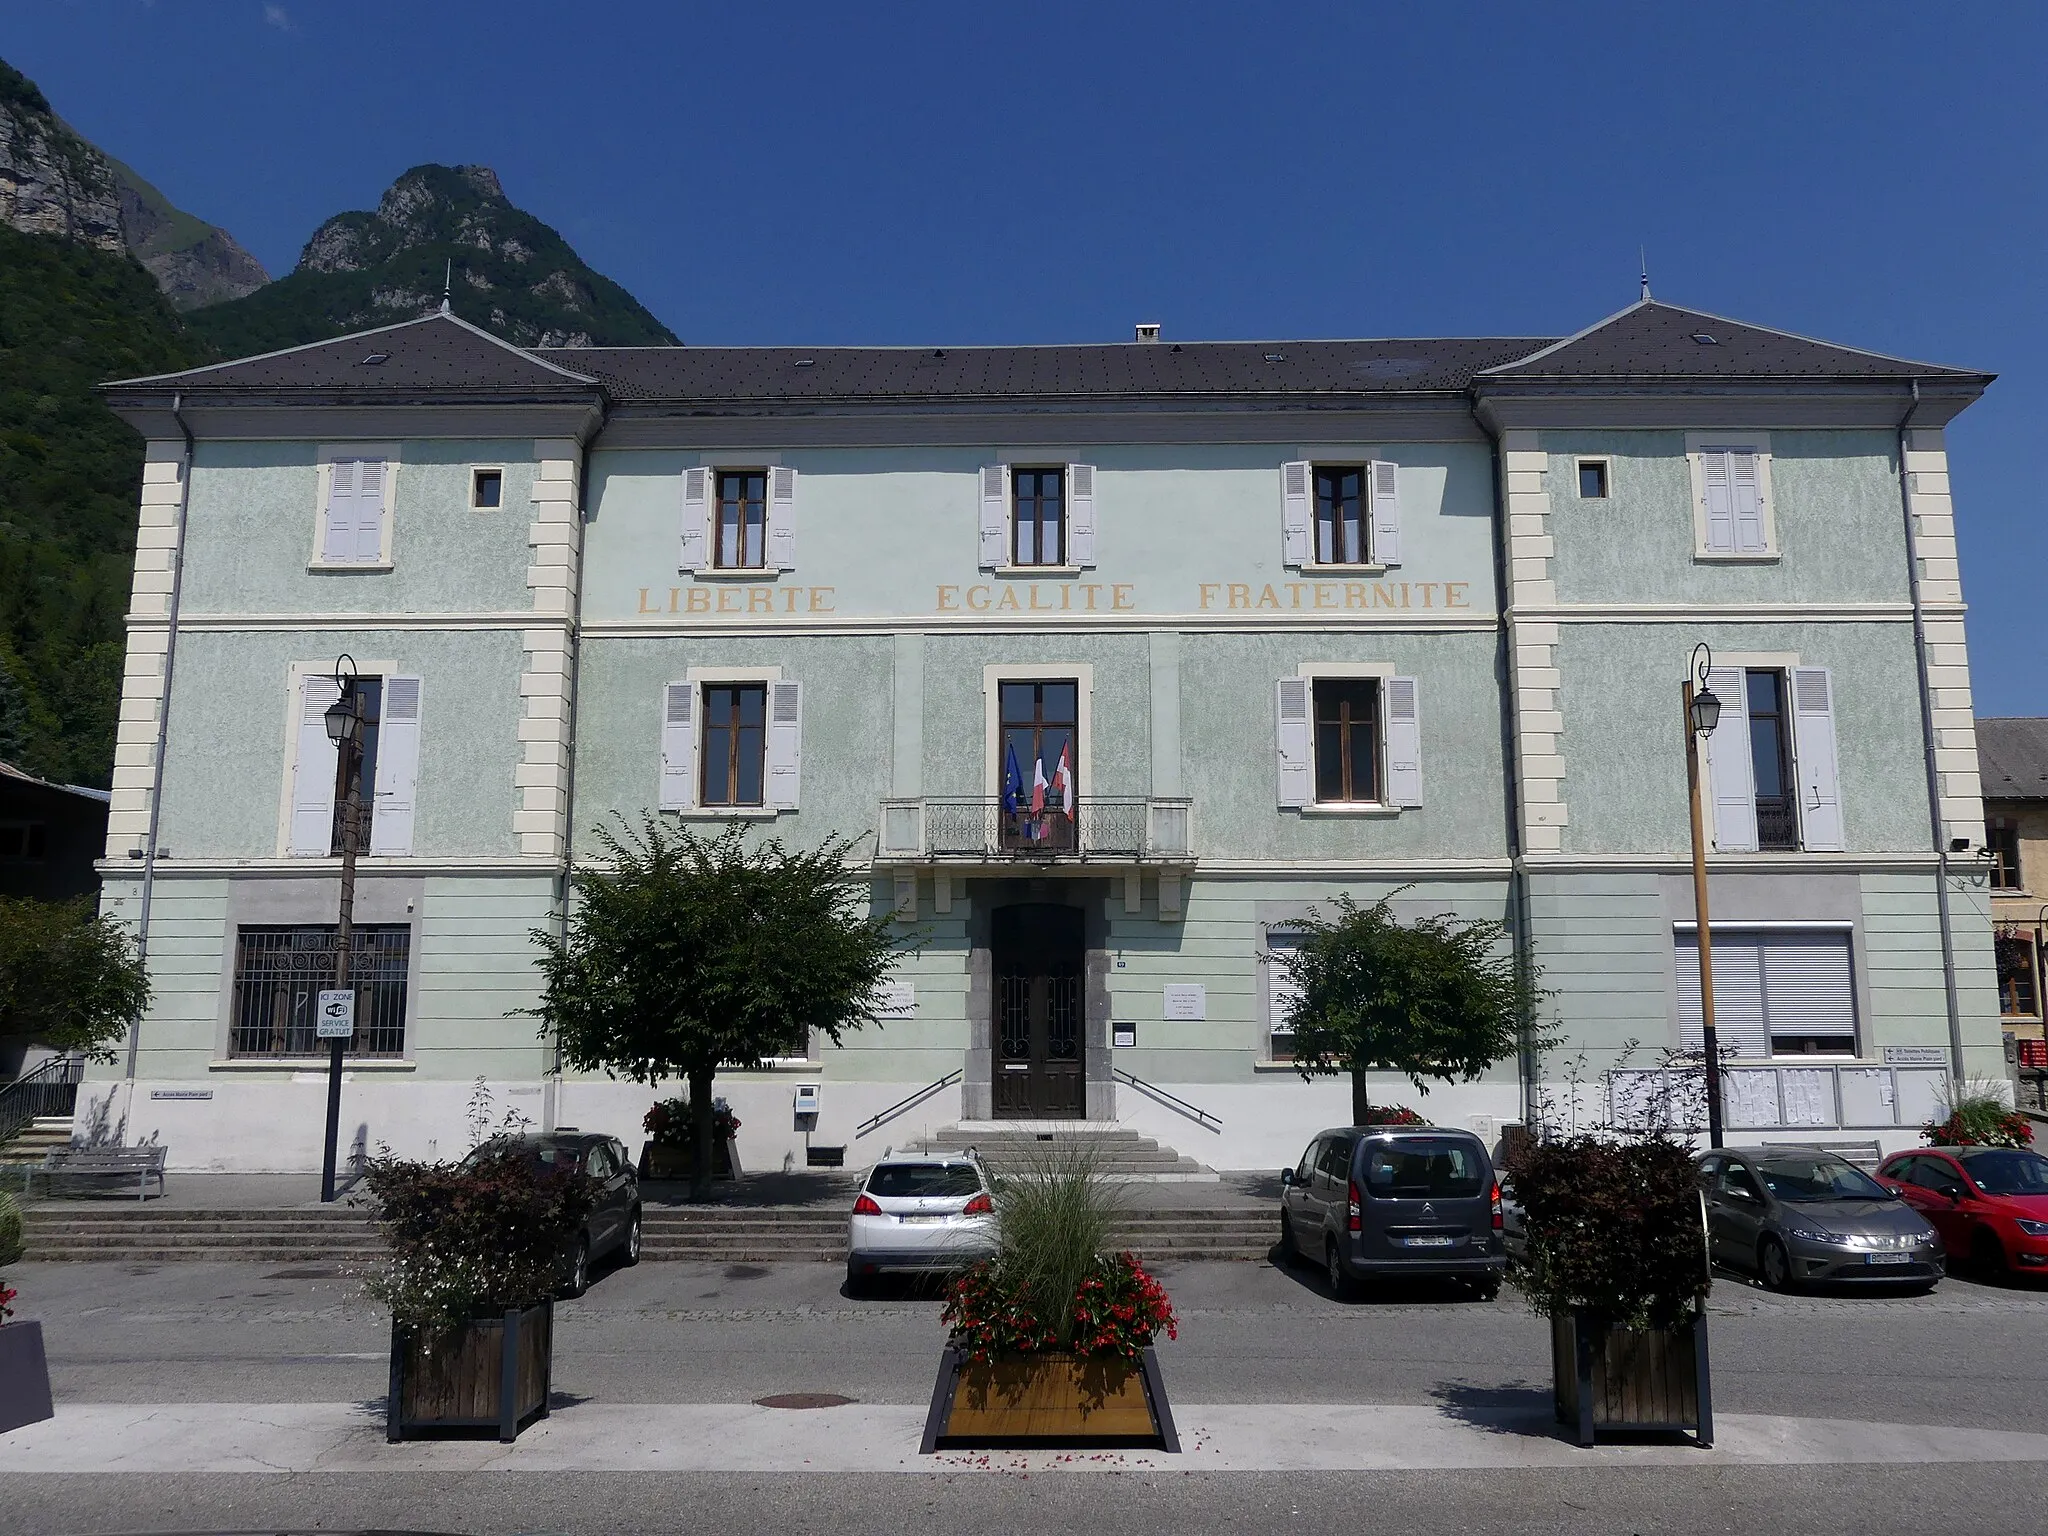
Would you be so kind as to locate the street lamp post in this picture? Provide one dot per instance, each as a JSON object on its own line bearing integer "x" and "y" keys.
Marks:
{"x": 1702, "y": 714}
{"x": 345, "y": 730}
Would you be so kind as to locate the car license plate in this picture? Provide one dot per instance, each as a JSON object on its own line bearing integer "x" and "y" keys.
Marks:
{"x": 1428, "y": 1242}
{"x": 1888, "y": 1258}
{"x": 940, "y": 1217}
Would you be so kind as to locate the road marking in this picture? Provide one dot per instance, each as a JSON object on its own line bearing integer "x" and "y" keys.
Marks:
{"x": 865, "y": 1437}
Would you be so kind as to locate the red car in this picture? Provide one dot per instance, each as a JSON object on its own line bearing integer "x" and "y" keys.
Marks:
{"x": 1989, "y": 1203}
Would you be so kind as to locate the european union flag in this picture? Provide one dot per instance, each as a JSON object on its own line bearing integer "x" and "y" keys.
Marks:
{"x": 1013, "y": 783}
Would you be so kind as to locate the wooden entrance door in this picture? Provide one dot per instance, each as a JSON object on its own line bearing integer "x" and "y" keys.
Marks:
{"x": 1039, "y": 1013}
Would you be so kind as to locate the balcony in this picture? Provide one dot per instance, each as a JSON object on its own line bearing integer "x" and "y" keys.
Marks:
{"x": 971, "y": 830}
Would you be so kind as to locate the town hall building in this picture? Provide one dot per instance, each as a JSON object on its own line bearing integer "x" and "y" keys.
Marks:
{"x": 1118, "y": 661}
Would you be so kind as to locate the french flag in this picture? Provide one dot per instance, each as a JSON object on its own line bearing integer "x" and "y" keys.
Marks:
{"x": 1039, "y": 785}
{"x": 1063, "y": 780}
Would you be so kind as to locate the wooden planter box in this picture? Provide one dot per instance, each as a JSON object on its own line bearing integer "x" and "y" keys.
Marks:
{"x": 1635, "y": 1381}
{"x": 493, "y": 1374}
{"x": 24, "y": 1376}
{"x": 666, "y": 1160}
{"x": 1052, "y": 1402}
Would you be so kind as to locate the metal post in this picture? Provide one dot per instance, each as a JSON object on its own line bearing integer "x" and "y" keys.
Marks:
{"x": 1709, "y": 1042}
{"x": 351, "y": 817}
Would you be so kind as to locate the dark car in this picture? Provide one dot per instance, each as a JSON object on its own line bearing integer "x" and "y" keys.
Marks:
{"x": 613, "y": 1225}
{"x": 1378, "y": 1201}
{"x": 1798, "y": 1216}
{"x": 1988, "y": 1202}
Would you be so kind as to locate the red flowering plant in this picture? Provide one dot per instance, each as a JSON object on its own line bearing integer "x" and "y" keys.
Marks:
{"x": 7, "y": 1295}
{"x": 1978, "y": 1116}
{"x": 1393, "y": 1114}
{"x": 670, "y": 1123}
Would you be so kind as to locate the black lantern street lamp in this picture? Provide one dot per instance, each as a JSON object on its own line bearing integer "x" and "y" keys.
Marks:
{"x": 345, "y": 729}
{"x": 1702, "y": 714}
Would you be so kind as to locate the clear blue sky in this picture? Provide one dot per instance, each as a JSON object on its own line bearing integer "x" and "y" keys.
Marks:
{"x": 1874, "y": 173}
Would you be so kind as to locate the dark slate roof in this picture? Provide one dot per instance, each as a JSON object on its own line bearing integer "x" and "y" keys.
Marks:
{"x": 995, "y": 373}
{"x": 2012, "y": 757}
{"x": 439, "y": 354}
{"x": 1652, "y": 340}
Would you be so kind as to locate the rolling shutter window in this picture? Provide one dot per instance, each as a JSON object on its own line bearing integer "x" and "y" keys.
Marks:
{"x": 1295, "y": 511}
{"x": 1813, "y": 746}
{"x": 1404, "y": 742}
{"x": 1281, "y": 992}
{"x": 694, "y": 554}
{"x": 1738, "y": 995}
{"x": 781, "y": 518}
{"x": 785, "y": 744}
{"x": 995, "y": 516}
{"x": 398, "y": 767}
{"x": 1080, "y": 514}
{"x": 1790, "y": 988}
{"x": 313, "y": 771}
{"x": 1731, "y": 774}
{"x": 1386, "y": 511}
{"x": 678, "y": 748}
{"x": 1294, "y": 742}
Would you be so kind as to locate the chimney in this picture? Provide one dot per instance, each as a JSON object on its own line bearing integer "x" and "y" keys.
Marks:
{"x": 1148, "y": 332}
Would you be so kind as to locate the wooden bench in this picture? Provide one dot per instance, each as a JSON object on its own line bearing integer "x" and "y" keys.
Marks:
{"x": 1864, "y": 1154}
{"x": 141, "y": 1164}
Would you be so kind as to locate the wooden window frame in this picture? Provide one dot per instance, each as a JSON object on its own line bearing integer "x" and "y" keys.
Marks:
{"x": 1346, "y": 768}
{"x": 735, "y": 731}
{"x": 373, "y": 721}
{"x": 1318, "y": 474}
{"x": 2024, "y": 945}
{"x": 1788, "y": 765}
{"x": 2002, "y": 837}
{"x": 1063, "y": 522}
{"x": 743, "y": 502}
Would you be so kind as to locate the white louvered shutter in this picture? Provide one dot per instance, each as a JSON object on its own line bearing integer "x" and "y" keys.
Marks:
{"x": 1080, "y": 514}
{"x": 369, "y": 511}
{"x": 398, "y": 767}
{"x": 1385, "y": 478}
{"x": 696, "y": 521}
{"x": 1720, "y": 501}
{"x": 678, "y": 747}
{"x": 1294, "y": 742}
{"x": 1739, "y": 1026}
{"x": 1809, "y": 988}
{"x": 1730, "y": 772}
{"x": 313, "y": 770}
{"x": 1813, "y": 746}
{"x": 781, "y": 518}
{"x": 1746, "y": 502}
{"x": 338, "y": 531}
{"x": 1404, "y": 742}
{"x": 785, "y": 744}
{"x": 1295, "y": 511}
{"x": 995, "y": 516}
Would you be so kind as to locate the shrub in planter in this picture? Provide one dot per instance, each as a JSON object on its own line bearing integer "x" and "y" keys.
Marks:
{"x": 478, "y": 1253}
{"x": 1393, "y": 1114}
{"x": 1978, "y": 1116}
{"x": 1616, "y": 1259}
{"x": 671, "y": 1150}
{"x": 24, "y": 1370}
{"x": 1052, "y": 1335}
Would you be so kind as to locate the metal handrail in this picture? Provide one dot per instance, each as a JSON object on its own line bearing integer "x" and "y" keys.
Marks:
{"x": 978, "y": 826}
{"x": 876, "y": 1122}
{"x": 1201, "y": 1117}
{"x": 50, "y": 1089}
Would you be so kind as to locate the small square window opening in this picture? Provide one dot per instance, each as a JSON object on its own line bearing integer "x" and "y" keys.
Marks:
{"x": 486, "y": 489}
{"x": 1593, "y": 479}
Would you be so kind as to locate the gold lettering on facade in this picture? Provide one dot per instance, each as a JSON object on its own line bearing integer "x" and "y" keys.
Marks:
{"x": 760, "y": 600}
{"x": 1268, "y": 598}
{"x": 1009, "y": 597}
{"x": 1454, "y": 594}
{"x": 949, "y": 600}
{"x": 821, "y": 600}
{"x": 978, "y": 598}
{"x": 1123, "y": 597}
{"x": 1036, "y": 605}
{"x": 699, "y": 599}
{"x": 1326, "y": 594}
{"x": 1209, "y": 591}
{"x": 1240, "y": 595}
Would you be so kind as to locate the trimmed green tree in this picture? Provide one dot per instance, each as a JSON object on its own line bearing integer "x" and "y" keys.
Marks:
{"x": 1441, "y": 998}
{"x": 684, "y": 955}
{"x": 69, "y": 978}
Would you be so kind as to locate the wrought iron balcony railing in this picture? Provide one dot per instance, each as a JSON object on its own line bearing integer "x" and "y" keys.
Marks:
{"x": 1123, "y": 829}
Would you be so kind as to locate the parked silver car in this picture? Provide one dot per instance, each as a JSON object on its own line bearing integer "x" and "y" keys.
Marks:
{"x": 919, "y": 1213}
{"x": 1798, "y": 1217}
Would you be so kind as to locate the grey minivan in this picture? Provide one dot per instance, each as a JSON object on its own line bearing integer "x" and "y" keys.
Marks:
{"x": 1383, "y": 1201}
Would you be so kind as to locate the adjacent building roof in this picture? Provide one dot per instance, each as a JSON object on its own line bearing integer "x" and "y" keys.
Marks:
{"x": 448, "y": 358}
{"x": 9, "y": 774}
{"x": 2012, "y": 757}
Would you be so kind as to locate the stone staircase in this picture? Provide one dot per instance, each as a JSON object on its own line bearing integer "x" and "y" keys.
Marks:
{"x": 1119, "y": 1155}
{"x": 44, "y": 1134}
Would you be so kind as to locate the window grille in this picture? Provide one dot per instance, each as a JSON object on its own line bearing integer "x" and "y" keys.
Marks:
{"x": 280, "y": 972}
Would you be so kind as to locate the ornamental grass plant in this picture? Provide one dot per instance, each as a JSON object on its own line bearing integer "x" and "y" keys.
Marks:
{"x": 1054, "y": 1285}
{"x": 1979, "y": 1115}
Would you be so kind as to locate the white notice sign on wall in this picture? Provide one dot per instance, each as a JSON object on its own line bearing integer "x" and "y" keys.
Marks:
{"x": 1187, "y": 1000}
{"x": 898, "y": 1000}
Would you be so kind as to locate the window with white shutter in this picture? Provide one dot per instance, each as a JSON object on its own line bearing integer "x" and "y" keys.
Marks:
{"x": 1813, "y": 751}
{"x": 678, "y": 748}
{"x": 1730, "y": 774}
{"x": 1080, "y": 514}
{"x": 995, "y": 516}
{"x": 1404, "y": 742}
{"x": 1294, "y": 743}
{"x": 398, "y": 767}
{"x": 1295, "y": 512}
{"x": 781, "y": 518}
{"x": 695, "y": 543}
{"x": 1732, "y": 484}
{"x": 785, "y": 744}
{"x": 352, "y": 522}
{"x": 314, "y": 767}
{"x": 1386, "y": 512}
